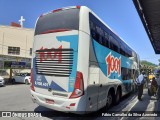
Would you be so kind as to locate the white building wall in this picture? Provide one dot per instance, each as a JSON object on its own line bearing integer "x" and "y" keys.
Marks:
{"x": 1, "y": 41}
{"x": 16, "y": 37}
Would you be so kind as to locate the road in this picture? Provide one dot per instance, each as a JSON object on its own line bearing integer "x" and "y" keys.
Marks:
{"x": 17, "y": 98}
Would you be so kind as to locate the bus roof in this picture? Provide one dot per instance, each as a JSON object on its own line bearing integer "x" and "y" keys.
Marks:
{"x": 89, "y": 10}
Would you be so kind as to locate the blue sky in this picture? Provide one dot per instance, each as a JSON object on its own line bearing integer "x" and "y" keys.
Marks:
{"x": 120, "y": 15}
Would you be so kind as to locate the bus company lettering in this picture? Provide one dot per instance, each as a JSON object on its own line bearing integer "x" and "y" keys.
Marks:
{"x": 53, "y": 54}
{"x": 114, "y": 64}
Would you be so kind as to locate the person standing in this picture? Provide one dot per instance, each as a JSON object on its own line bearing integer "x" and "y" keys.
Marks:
{"x": 158, "y": 91}
{"x": 154, "y": 86}
{"x": 146, "y": 80}
{"x": 140, "y": 82}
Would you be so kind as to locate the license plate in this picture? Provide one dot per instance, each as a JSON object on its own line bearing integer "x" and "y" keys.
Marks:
{"x": 49, "y": 101}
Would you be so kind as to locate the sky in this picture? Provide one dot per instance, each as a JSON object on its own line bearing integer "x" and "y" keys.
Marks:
{"x": 120, "y": 15}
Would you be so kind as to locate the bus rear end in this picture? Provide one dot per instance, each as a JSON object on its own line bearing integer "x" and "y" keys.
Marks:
{"x": 55, "y": 81}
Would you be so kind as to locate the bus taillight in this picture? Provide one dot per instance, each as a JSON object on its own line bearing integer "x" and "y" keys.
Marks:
{"x": 32, "y": 81}
{"x": 78, "y": 86}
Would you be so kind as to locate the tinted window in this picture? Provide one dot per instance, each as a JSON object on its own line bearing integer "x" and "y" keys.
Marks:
{"x": 114, "y": 45}
{"x": 28, "y": 74}
{"x": 127, "y": 73}
{"x": 106, "y": 39}
{"x": 64, "y": 19}
{"x": 122, "y": 51}
{"x": 17, "y": 74}
{"x": 101, "y": 34}
{"x": 104, "y": 36}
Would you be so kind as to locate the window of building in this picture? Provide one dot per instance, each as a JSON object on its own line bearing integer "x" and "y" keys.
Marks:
{"x": 14, "y": 50}
{"x": 30, "y": 52}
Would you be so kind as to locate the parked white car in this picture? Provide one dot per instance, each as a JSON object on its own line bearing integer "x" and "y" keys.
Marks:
{"x": 2, "y": 81}
{"x": 21, "y": 78}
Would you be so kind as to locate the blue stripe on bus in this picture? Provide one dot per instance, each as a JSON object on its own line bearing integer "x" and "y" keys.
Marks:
{"x": 55, "y": 86}
{"x": 73, "y": 39}
{"x": 102, "y": 52}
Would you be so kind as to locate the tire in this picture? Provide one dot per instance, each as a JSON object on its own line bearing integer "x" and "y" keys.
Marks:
{"x": 13, "y": 81}
{"x": 26, "y": 82}
{"x": 117, "y": 97}
{"x": 109, "y": 100}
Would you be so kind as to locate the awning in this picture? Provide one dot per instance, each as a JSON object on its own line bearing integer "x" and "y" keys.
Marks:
{"x": 149, "y": 12}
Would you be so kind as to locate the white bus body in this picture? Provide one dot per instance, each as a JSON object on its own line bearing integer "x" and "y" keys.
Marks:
{"x": 71, "y": 70}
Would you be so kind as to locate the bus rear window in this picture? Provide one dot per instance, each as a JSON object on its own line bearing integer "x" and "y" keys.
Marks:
{"x": 64, "y": 19}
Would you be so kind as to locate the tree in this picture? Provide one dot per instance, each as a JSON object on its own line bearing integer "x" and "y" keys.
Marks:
{"x": 146, "y": 63}
{"x": 148, "y": 67}
{"x": 159, "y": 61}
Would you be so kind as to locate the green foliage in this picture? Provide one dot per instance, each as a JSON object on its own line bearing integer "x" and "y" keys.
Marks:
{"x": 146, "y": 63}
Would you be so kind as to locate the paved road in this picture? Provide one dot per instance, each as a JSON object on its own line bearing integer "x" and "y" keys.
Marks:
{"x": 17, "y": 98}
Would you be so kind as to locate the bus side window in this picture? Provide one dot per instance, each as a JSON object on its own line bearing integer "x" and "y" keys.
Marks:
{"x": 92, "y": 26}
{"x": 111, "y": 45}
{"x": 104, "y": 42}
{"x": 107, "y": 43}
{"x": 106, "y": 39}
{"x": 129, "y": 74}
{"x": 97, "y": 38}
{"x": 93, "y": 34}
{"x": 127, "y": 54}
{"x": 115, "y": 48}
{"x": 122, "y": 51}
{"x": 100, "y": 40}
{"x": 123, "y": 74}
{"x": 126, "y": 73}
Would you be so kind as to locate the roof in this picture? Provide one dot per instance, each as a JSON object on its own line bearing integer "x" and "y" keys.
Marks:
{"x": 149, "y": 12}
{"x": 18, "y": 28}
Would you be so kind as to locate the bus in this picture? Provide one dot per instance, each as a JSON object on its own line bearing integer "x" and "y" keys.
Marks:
{"x": 79, "y": 64}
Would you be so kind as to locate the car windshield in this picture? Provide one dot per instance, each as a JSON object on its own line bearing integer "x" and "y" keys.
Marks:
{"x": 27, "y": 74}
{"x": 23, "y": 74}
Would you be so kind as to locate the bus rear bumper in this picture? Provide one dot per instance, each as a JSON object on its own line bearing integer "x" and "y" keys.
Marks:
{"x": 59, "y": 104}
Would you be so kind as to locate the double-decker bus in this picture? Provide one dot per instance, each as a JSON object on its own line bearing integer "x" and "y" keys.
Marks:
{"x": 79, "y": 63}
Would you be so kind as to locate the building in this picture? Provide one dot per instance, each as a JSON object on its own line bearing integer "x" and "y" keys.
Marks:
{"x": 15, "y": 46}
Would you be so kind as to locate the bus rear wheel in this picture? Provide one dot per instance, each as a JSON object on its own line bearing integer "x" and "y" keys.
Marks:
{"x": 109, "y": 100}
{"x": 117, "y": 97}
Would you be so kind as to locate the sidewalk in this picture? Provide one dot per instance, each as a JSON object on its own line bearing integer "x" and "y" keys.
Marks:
{"x": 148, "y": 105}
